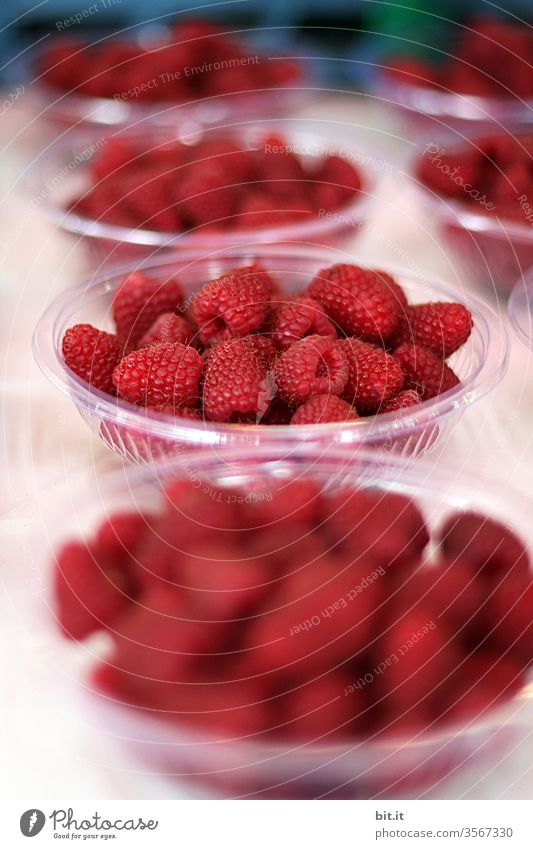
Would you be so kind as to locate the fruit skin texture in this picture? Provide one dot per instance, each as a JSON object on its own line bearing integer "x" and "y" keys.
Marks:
{"x": 439, "y": 327}
{"x": 168, "y": 327}
{"x": 92, "y": 355}
{"x": 234, "y": 382}
{"x": 320, "y": 409}
{"x": 161, "y": 374}
{"x": 138, "y": 301}
{"x": 424, "y": 371}
{"x": 296, "y": 318}
{"x": 358, "y": 301}
{"x": 314, "y": 365}
{"x": 373, "y": 375}
{"x": 235, "y": 304}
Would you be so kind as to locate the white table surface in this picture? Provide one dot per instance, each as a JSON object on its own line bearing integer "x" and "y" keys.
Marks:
{"x": 49, "y": 747}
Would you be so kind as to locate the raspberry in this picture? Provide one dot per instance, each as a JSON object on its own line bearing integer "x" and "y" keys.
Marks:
{"x": 424, "y": 371}
{"x": 320, "y": 709}
{"x": 265, "y": 349}
{"x": 422, "y": 659}
{"x": 490, "y": 546}
{"x": 138, "y": 301}
{"x": 92, "y": 355}
{"x": 373, "y": 375}
{"x": 384, "y": 528}
{"x": 235, "y": 304}
{"x": 402, "y": 401}
{"x": 337, "y": 172}
{"x": 283, "y": 638}
{"x": 299, "y": 317}
{"x": 168, "y": 327}
{"x": 165, "y": 373}
{"x": 439, "y": 327}
{"x": 357, "y": 300}
{"x": 315, "y": 365}
{"x": 323, "y": 408}
{"x": 261, "y": 210}
{"x": 480, "y": 683}
{"x": 176, "y": 412}
{"x": 234, "y": 382}
{"x": 207, "y": 198}
{"x": 90, "y": 589}
{"x": 510, "y": 617}
{"x": 120, "y": 535}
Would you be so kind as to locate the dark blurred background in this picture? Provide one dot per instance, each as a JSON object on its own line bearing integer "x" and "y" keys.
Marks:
{"x": 343, "y": 34}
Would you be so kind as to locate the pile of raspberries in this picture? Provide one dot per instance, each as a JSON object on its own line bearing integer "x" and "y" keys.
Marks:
{"x": 195, "y": 61}
{"x": 240, "y": 351}
{"x": 493, "y": 174}
{"x": 301, "y": 613}
{"x": 490, "y": 58}
{"x": 216, "y": 184}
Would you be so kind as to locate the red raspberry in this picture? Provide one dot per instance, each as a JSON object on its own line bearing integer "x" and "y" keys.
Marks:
{"x": 320, "y": 709}
{"x": 92, "y": 355}
{"x": 421, "y": 659}
{"x": 90, "y": 589}
{"x": 120, "y": 535}
{"x": 339, "y": 173}
{"x": 424, "y": 371}
{"x": 323, "y": 408}
{"x": 481, "y": 681}
{"x": 265, "y": 349}
{"x": 385, "y": 528}
{"x": 448, "y": 173}
{"x": 165, "y": 373}
{"x": 293, "y": 319}
{"x": 168, "y": 327}
{"x": 315, "y": 365}
{"x": 402, "y": 401}
{"x": 235, "y": 304}
{"x": 144, "y": 192}
{"x": 440, "y": 327}
{"x": 159, "y": 638}
{"x": 510, "y": 616}
{"x": 234, "y": 381}
{"x": 219, "y": 584}
{"x": 176, "y": 412}
{"x": 206, "y": 199}
{"x": 138, "y": 301}
{"x": 490, "y": 546}
{"x": 115, "y": 153}
{"x": 373, "y": 375}
{"x": 358, "y": 300}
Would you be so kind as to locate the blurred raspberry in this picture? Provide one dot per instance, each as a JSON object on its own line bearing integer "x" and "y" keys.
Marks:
{"x": 488, "y": 545}
{"x": 138, "y": 301}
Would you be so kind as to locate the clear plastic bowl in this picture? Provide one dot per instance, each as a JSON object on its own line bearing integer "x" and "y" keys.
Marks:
{"x": 246, "y": 767}
{"x": 64, "y": 111}
{"x": 494, "y": 252}
{"x": 430, "y": 109}
{"x": 520, "y": 306}
{"x": 61, "y": 174}
{"x": 139, "y": 435}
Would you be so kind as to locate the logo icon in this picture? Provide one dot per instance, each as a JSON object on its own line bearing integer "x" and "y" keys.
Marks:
{"x": 32, "y": 822}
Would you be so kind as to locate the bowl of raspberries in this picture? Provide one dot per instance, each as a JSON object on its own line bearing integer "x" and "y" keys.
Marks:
{"x": 481, "y": 191}
{"x": 128, "y": 194}
{"x": 193, "y": 73}
{"x": 301, "y": 628}
{"x": 276, "y": 346}
{"x": 484, "y": 78}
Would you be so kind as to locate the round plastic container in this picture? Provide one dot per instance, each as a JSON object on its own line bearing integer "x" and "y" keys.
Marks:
{"x": 63, "y": 111}
{"x": 494, "y": 252}
{"x": 139, "y": 435}
{"x": 245, "y": 767}
{"x": 520, "y": 308}
{"x": 430, "y": 109}
{"x": 61, "y": 175}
